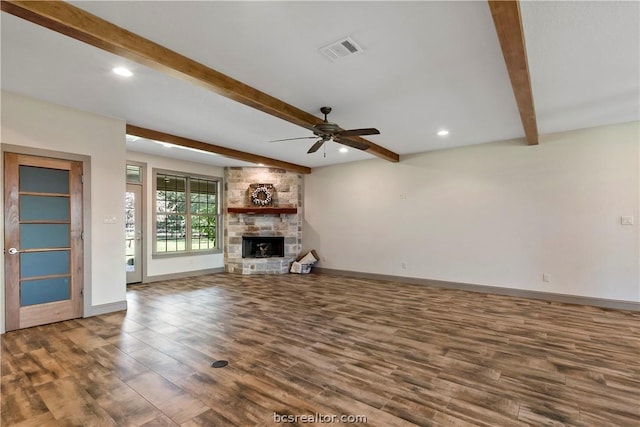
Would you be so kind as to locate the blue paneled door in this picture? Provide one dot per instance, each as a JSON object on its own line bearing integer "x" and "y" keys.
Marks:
{"x": 43, "y": 240}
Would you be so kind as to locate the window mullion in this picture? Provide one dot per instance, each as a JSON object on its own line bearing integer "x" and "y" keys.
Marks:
{"x": 188, "y": 233}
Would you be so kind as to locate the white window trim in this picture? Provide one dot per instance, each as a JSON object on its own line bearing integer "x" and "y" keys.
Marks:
{"x": 219, "y": 219}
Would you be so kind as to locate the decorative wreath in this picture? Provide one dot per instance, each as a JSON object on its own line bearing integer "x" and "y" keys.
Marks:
{"x": 261, "y": 196}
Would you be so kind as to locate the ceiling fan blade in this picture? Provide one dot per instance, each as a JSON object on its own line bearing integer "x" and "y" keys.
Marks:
{"x": 358, "y": 132}
{"x": 291, "y": 139}
{"x": 351, "y": 143}
{"x": 315, "y": 147}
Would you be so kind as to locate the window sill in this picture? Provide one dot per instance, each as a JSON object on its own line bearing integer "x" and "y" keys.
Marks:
{"x": 184, "y": 254}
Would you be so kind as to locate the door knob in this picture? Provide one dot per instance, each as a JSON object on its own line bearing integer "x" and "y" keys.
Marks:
{"x": 13, "y": 251}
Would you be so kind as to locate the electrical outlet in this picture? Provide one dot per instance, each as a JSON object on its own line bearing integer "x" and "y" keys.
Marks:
{"x": 626, "y": 220}
{"x": 546, "y": 277}
{"x": 404, "y": 265}
{"x": 403, "y": 196}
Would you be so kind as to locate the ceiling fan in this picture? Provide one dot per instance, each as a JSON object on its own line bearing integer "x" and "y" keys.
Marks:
{"x": 327, "y": 131}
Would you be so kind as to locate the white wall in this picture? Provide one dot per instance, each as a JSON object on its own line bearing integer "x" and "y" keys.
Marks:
{"x": 32, "y": 123}
{"x": 498, "y": 214}
{"x": 180, "y": 264}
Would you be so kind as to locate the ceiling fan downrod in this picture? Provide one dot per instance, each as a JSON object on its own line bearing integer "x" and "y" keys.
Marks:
{"x": 325, "y": 111}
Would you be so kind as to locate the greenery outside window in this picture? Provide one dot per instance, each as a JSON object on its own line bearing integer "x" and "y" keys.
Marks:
{"x": 187, "y": 214}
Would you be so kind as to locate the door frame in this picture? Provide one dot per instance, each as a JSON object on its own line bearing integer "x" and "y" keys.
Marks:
{"x": 86, "y": 218}
{"x": 143, "y": 214}
{"x": 20, "y": 316}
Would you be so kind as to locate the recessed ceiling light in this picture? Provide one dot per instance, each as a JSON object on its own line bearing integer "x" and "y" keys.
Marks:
{"x": 443, "y": 132}
{"x": 165, "y": 145}
{"x": 121, "y": 71}
{"x": 343, "y": 150}
{"x": 260, "y": 164}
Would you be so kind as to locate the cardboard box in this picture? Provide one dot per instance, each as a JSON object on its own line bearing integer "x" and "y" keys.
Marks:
{"x": 304, "y": 262}
{"x": 299, "y": 268}
{"x": 311, "y": 254}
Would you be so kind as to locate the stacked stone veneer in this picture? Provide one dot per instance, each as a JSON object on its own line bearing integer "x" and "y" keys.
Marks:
{"x": 288, "y": 193}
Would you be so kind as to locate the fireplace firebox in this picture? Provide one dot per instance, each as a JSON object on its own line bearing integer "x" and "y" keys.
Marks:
{"x": 262, "y": 247}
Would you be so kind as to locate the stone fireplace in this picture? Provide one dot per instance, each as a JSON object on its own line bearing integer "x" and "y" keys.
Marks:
{"x": 261, "y": 240}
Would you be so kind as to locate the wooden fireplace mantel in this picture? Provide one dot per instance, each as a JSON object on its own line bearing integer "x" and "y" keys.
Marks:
{"x": 255, "y": 210}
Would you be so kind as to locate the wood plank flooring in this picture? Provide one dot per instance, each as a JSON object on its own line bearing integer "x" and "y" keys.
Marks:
{"x": 398, "y": 354}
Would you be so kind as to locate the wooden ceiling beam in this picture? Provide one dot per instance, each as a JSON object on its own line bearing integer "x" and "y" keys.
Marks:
{"x": 223, "y": 151}
{"x": 76, "y": 23}
{"x": 508, "y": 23}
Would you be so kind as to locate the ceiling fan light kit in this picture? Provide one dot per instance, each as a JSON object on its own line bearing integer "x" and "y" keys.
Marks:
{"x": 328, "y": 131}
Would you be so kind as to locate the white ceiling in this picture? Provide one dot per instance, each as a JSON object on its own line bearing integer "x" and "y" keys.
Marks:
{"x": 426, "y": 66}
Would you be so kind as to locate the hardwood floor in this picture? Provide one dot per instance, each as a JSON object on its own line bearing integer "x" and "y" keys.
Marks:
{"x": 399, "y": 354}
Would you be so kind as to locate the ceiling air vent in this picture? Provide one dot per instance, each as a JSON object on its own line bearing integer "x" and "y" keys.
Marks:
{"x": 341, "y": 49}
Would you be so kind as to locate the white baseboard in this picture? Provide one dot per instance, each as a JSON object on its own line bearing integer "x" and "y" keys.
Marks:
{"x": 182, "y": 275}
{"x": 523, "y": 293}
{"x": 112, "y": 307}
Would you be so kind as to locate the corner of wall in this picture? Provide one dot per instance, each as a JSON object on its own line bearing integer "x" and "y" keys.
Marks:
{"x": 2, "y": 289}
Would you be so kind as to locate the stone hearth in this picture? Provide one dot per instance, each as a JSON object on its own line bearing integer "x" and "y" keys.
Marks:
{"x": 288, "y": 193}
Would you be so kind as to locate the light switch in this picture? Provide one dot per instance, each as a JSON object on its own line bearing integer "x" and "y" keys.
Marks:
{"x": 109, "y": 219}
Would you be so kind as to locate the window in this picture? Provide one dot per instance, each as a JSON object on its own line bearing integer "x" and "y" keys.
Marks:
{"x": 187, "y": 213}
{"x": 134, "y": 174}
